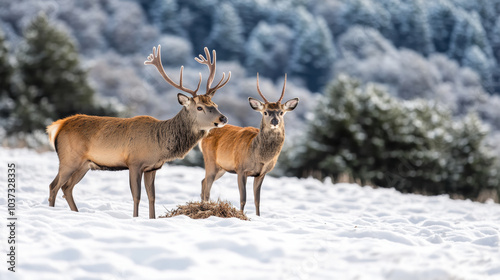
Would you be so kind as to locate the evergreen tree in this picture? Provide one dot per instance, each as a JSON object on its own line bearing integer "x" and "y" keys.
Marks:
{"x": 366, "y": 13}
{"x": 55, "y": 85}
{"x": 268, "y": 49}
{"x": 495, "y": 45}
{"x": 469, "y": 161}
{"x": 413, "y": 146}
{"x": 477, "y": 61}
{"x": 227, "y": 32}
{"x": 6, "y": 73}
{"x": 468, "y": 31}
{"x": 165, "y": 15}
{"x": 198, "y": 20}
{"x": 251, "y": 13}
{"x": 412, "y": 28}
{"x": 441, "y": 21}
{"x": 313, "y": 51}
{"x": 495, "y": 40}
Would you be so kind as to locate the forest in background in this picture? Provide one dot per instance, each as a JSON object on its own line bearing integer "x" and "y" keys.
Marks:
{"x": 444, "y": 51}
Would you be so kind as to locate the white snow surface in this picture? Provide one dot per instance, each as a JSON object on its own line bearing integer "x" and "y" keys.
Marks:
{"x": 308, "y": 230}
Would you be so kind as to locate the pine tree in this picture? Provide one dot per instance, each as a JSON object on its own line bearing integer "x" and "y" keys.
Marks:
{"x": 412, "y": 28}
{"x": 251, "y": 13}
{"x": 477, "y": 61}
{"x": 470, "y": 159}
{"x": 226, "y": 35}
{"x": 495, "y": 40}
{"x": 165, "y": 15}
{"x": 468, "y": 31}
{"x": 55, "y": 85}
{"x": 6, "y": 73}
{"x": 268, "y": 49}
{"x": 198, "y": 18}
{"x": 366, "y": 13}
{"x": 413, "y": 146}
{"x": 441, "y": 21}
{"x": 313, "y": 51}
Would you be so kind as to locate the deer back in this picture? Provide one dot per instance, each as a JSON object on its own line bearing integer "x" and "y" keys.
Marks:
{"x": 229, "y": 146}
{"x": 110, "y": 143}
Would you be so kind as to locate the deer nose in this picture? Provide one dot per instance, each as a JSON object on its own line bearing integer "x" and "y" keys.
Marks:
{"x": 274, "y": 121}
{"x": 223, "y": 119}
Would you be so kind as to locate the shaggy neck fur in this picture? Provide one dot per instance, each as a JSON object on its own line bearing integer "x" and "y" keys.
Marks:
{"x": 268, "y": 143}
{"x": 178, "y": 135}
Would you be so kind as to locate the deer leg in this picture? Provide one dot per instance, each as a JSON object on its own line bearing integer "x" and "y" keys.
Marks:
{"x": 135, "y": 175}
{"x": 206, "y": 184}
{"x": 257, "y": 184}
{"x": 62, "y": 177}
{"x": 242, "y": 182}
{"x": 149, "y": 184}
{"x": 52, "y": 197}
{"x": 68, "y": 187}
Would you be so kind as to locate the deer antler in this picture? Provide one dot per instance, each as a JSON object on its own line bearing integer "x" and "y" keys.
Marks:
{"x": 258, "y": 89}
{"x": 211, "y": 68}
{"x": 283, "y": 91}
{"x": 155, "y": 59}
{"x": 262, "y": 95}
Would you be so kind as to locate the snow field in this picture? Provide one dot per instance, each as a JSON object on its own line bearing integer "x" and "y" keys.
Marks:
{"x": 308, "y": 230}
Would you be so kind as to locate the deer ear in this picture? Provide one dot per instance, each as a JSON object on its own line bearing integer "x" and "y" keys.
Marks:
{"x": 291, "y": 104}
{"x": 256, "y": 104}
{"x": 183, "y": 100}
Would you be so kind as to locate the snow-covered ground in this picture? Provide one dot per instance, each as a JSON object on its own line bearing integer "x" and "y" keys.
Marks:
{"x": 308, "y": 230}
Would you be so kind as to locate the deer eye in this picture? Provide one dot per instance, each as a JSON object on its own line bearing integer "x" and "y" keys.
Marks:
{"x": 281, "y": 113}
{"x": 265, "y": 113}
{"x": 199, "y": 108}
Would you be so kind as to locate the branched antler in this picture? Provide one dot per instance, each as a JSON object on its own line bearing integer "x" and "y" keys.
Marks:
{"x": 155, "y": 59}
{"x": 210, "y": 63}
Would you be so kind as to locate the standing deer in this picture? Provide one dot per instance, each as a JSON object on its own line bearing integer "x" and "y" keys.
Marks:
{"x": 141, "y": 144}
{"x": 246, "y": 151}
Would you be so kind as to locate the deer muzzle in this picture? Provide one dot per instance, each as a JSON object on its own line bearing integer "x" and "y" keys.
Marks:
{"x": 223, "y": 121}
{"x": 274, "y": 122}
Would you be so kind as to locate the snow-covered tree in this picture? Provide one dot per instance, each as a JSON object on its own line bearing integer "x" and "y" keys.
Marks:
{"x": 411, "y": 25}
{"x": 366, "y": 13}
{"x": 178, "y": 49}
{"x": 361, "y": 42}
{"x": 413, "y": 146}
{"x": 251, "y": 12}
{"x": 468, "y": 31}
{"x": 476, "y": 59}
{"x": 88, "y": 20}
{"x": 226, "y": 35}
{"x": 495, "y": 39}
{"x": 165, "y": 15}
{"x": 268, "y": 50}
{"x": 441, "y": 14}
{"x": 54, "y": 83}
{"x": 313, "y": 51}
{"x": 6, "y": 83}
{"x": 127, "y": 31}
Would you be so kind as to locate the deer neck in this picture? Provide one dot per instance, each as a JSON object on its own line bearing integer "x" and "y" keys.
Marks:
{"x": 178, "y": 135}
{"x": 268, "y": 142}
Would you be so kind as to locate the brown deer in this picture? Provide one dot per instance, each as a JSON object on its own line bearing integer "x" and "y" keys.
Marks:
{"x": 246, "y": 151}
{"x": 141, "y": 144}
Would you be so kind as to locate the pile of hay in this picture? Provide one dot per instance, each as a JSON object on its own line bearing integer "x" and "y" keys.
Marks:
{"x": 205, "y": 209}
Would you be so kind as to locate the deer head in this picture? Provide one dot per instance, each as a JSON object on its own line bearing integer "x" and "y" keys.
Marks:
{"x": 272, "y": 112}
{"x": 200, "y": 107}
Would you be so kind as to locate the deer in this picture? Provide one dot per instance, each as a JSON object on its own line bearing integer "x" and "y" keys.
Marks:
{"x": 141, "y": 144}
{"x": 246, "y": 151}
